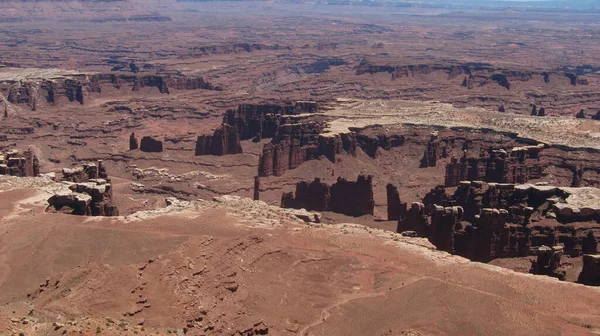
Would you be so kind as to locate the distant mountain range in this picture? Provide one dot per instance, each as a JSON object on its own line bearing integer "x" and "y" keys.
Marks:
{"x": 574, "y": 4}
{"x": 519, "y": 3}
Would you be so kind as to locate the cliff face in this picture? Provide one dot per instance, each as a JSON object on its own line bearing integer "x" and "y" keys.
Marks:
{"x": 474, "y": 74}
{"x": 288, "y": 151}
{"x": 77, "y": 87}
{"x": 345, "y": 197}
{"x": 262, "y": 120}
{"x": 482, "y": 221}
{"x": 516, "y": 166}
{"x": 225, "y": 140}
{"x": 151, "y": 145}
{"x": 395, "y": 208}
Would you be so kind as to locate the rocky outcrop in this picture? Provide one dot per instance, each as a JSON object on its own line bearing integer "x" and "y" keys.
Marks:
{"x": 432, "y": 152}
{"x": 443, "y": 225}
{"x": 15, "y": 163}
{"x": 345, "y": 197}
{"x": 370, "y": 143}
{"x": 91, "y": 198}
{"x": 133, "y": 142}
{"x": 589, "y": 244}
{"x": 548, "y": 262}
{"x": 518, "y": 165}
{"x": 502, "y": 220}
{"x": 263, "y": 120}
{"x": 395, "y": 208}
{"x": 416, "y": 220}
{"x": 88, "y": 193}
{"x": 298, "y": 143}
{"x": 256, "y": 188}
{"x": 225, "y": 140}
{"x": 85, "y": 173}
{"x": 590, "y": 274}
{"x": 151, "y": 145}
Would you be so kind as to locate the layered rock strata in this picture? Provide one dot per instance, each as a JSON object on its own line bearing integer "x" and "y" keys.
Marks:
{"x": 225, "y": 140}
{"x": 76, "y": 87}
{"x": 91, "y": 198}
{"x": 505, "y": 220}
{"x": 516, "y": 166}
{"x": 15, "y": 163}
{"x": 345, "y": 197}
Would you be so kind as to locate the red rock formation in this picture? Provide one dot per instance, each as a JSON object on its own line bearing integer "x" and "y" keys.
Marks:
{"x": 85, "y": 173}
{"x": 548, "y": 262}
{"x": 265, "y": 160}
{"x": 256, "y": 188}
{"x": 432, "y": 152}
{"x": 225, "y": 140}
{"x": 499, "y": 220}
{"x": 443, "y": 224}
{"x": 74, "y": 88}
{"x": 353, "y": 198}
{"x": 14, "y": 164}
{"x": 589, "y": 244}
{"x": 91, "y": 191}
{"x": 92, "y": 198}
{"x": 346, "y": 197}
{"x": 534, "y": 111}
{"x": 516, "y": 166}
{"x": 263, "y": 120}
{"x": 415, "y": 220}
{"x": 370, "y": 143}
{"x": 133, "y": 142}
{"x": 298, "y": 143}
{"x": 590, "y": 274}
{"x": 542, "y": 112}
{"x": 151, "y": 145}
{"x": 395, "y": 208}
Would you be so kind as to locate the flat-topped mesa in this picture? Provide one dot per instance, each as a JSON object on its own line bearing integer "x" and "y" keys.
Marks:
{"x": 151, "y": 145}
{"x": 297, "y": 143}
{"x": 518, "y": 165}
{"x": 345, "y": 197}
{"x": 15, "y": 163}
{"x": 225, "y": 140}
{"x": 91, "y": 198}
{"x": 262, "y": 120}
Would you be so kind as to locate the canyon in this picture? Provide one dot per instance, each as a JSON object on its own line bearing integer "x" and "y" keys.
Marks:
{"x": 298, "y": 168}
